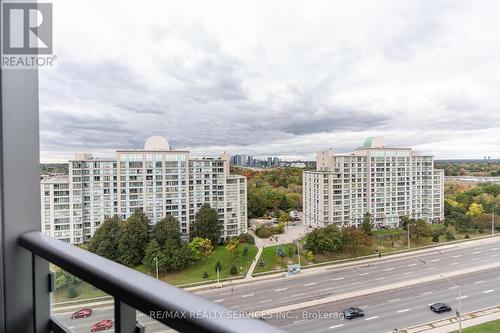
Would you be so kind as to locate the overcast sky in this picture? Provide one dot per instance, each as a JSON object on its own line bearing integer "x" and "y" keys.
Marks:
{"x": 282, "y": 78}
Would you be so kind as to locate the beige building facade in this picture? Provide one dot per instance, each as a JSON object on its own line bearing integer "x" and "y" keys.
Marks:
{"x": 383, "y": 181}
{"x": 157, "y": 180}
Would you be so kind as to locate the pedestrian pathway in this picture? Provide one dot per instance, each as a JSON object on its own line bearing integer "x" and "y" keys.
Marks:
{"x": 254, "y": 263}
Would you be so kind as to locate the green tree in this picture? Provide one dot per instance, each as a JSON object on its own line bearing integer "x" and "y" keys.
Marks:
{"x": 206, "y": 224}
{"x": 105, "y": 239}
{"x": 177, "y": 257}
{"x": 232, "y": 247}
{"x": 404, "y": 221}
{"x": 64, "y": 278}
{"x": 133, "y": 237}
{"x": 461, "y": 222}
{"x": 420, "y": 229}
{"x": 200, "y": 248}
{"x": 354, "y": 237}
{"x": 166, "y": 229}
{"x": 154, "y": 250}
{"x": 325, "y": 240}
{"x": 72, "y": 292}
{"x": 367, "y": 224}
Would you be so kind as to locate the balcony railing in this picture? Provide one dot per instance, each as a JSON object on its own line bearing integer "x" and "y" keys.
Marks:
{"x": 132, "y": 291}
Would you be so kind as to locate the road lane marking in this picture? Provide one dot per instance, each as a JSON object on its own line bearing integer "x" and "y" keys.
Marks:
{"x": 388, "y": 269}
{"x": 326, "y": 289}
{"x": 355, "y": 283}
{"x": 494, "y": 249}
{"x": 454, "y": 263}
{"x": 410, "y": 265}
{"x": 248, "y": 295}
{"x": 488, "y": 291}
{"x": 478, "y": 248}
{"x": 427, "y": 293}
{"x": 408, "y": 273}
{"x": 310, "y": 284}
{"x": 371, "y": 318}
{"x": 435, "y": 260}
{"x": 394, "y": 300}
{"x": 219, "y": 300}
{"x": 363, "y": 274}
{"x": 404, "y": 310}
{"x": 336, "y": 326}
{"x": 431, "y": 268}
{"x": 480, "y": 281}
{"x": 380, "y": 278}
{"x": 457, "y": 256}
{"x": 281, "y": 289}
{"x": 476, "y": 252}
{"x": 296, "y": 295}
{"x": 462, "y": 297}
{"x": 338, "y": 279}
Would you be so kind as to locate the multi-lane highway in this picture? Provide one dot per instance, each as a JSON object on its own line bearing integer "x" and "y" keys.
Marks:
{"x": 394, "y": 307}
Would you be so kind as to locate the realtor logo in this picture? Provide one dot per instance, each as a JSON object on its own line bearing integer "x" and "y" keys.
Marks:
{"x": 27, "y": 28}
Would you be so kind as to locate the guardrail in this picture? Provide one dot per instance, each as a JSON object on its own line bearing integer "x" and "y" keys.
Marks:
{"x": 132, "y": 291}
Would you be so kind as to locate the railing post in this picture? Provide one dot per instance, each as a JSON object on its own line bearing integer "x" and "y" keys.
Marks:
{"x": 19, "y": 193}
{"x": 125, "y": 318}
{"x": 41, "y": 294}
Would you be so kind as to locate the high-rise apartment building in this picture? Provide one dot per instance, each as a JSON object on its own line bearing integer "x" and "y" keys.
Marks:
{"x": 156, "y": 179}
{"x": 386, "y": 182}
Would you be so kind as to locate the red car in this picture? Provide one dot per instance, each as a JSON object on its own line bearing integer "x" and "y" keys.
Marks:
{"x": 82, "y": 313}
{"x": 102, "y": 325}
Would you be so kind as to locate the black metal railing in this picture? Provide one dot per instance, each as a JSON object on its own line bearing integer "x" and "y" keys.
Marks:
{"x": 132, "y": 291}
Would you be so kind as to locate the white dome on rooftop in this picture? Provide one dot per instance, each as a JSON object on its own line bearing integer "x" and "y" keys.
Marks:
{"x": 374, "y": 142}
{"x": 156, "y": 143}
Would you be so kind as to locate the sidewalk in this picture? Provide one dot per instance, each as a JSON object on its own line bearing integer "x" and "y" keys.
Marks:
{"x": 449, "y": 325}
{"x": 254, "y": 263}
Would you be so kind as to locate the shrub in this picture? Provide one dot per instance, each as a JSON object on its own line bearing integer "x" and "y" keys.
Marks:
{"x": 233, "y": 270}
{"x": 466, "y": 236}
{"x": 218, "y": 266}
{"x": 449, "y": 236}
{"x": 72, "y": 292}
{"x": 279, "y": 228}
{"x": 247, "y": 238}
{"x": 435, "y": 235}
{"x": 263, "y": 232}
{"x": 261, "y": 262}
{"x": 205, "y": 275}
{"x": 245, "y": 251}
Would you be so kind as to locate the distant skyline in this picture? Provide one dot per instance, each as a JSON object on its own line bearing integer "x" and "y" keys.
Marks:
{"x": 281, "y": 78}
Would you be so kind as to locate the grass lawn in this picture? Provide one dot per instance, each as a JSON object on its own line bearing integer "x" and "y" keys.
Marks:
{"x": 194, "y": 273}
{"x": 83, "y": 289}
{"x": 385, "y": 241}
{"x": 492, "y": 326}
{"x": 274, "y": 262}
{"x": 191, "y": 274}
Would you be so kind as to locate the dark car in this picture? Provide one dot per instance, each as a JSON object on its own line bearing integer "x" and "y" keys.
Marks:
{"x": 102, "y": 325}
{"x": 352, "y": 313}
{"x": 440, "y": 307}
{"x": 82, "y": 313}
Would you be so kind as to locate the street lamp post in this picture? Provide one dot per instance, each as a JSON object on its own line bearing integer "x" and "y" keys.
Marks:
{"x": 493, "y": 222}
{"x": 408, "y": 227}
{"x": 156, "y": 262}
{"x": 459, "y": 312}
